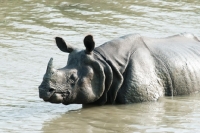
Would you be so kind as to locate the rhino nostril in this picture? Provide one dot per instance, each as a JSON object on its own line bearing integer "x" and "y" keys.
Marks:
{"x": 51, "y": 90}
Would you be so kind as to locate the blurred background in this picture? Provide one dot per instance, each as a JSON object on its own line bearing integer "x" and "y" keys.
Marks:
{"x": 27, "y": 32}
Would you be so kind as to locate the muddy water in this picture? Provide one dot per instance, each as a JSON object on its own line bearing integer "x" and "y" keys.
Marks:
{"x": 27, "y": 31}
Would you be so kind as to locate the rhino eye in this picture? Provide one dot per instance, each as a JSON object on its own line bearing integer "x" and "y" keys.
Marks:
{"x": 72, "y": 79}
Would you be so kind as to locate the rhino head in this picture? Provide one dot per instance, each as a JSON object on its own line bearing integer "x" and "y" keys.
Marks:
{"x": 81, "y": 81}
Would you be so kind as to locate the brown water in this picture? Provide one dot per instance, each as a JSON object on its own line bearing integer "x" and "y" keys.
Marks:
{"x": 27, "y": 31}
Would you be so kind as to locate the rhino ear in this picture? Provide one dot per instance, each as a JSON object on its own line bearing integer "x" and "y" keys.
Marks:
{"x": 89, "y": 43}
{"x": 63, "y": 46}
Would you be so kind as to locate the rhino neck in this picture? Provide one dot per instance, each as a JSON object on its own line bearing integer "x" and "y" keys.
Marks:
{"x": 119, "y": 50}
{"x": 116, "y": 55}
{"x": 109, "y": 77}
{"x": 113, "y": 79}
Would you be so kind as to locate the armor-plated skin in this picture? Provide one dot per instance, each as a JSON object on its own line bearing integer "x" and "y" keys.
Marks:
{"x": 125, "y": 70}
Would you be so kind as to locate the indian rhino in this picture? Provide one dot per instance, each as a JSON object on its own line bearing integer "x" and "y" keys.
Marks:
{"x": 125, "y": 70}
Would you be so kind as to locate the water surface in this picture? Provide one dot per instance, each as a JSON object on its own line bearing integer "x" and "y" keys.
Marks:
{"x": 27, "y": 32}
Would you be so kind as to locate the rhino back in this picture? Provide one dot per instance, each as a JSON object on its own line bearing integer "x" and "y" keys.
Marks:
{"x": 180, "y": 54}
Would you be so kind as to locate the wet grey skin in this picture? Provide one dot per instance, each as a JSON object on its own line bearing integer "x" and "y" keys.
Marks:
{"x": 129, "y": 69}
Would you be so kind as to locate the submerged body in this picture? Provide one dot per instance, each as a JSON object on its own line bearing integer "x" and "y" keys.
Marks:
{"x": 129, "y": 69}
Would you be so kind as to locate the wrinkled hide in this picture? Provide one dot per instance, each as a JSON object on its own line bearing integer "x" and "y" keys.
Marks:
{"x": 128, "y": 69}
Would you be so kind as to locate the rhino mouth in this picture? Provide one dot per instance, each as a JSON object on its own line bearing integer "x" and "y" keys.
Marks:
{"x": 55, "y": 96}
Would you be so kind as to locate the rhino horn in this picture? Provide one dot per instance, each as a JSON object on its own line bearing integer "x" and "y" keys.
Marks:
{"x": 50, "y": 66}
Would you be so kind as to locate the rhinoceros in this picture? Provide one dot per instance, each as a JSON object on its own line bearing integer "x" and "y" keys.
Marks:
{"x": 129, "y": 69}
